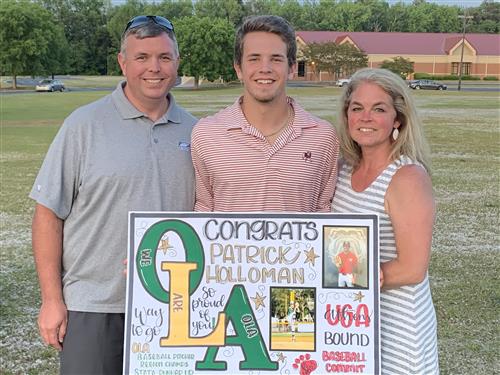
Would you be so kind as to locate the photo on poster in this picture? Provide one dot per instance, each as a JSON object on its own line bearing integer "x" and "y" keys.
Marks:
{"x": 345, "y": 257}
{"x": 293, "y": 319}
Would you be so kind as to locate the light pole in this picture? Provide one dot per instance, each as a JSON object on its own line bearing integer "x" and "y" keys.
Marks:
{"x": 465, "y": 18}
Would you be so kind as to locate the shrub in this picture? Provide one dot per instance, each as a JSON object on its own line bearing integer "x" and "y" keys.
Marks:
{"x": 470, "y": 78}
{"x": 436, "y": 77}
{"x": 490, "y": 78}
{"x": 449, "y": 77}
{"x": 422, "y": 76}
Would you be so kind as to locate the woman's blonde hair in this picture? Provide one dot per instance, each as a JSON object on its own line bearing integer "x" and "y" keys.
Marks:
{"x": 411, "y": 140}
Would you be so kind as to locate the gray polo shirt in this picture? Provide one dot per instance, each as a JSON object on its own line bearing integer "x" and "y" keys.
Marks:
{"x": 108, "y": 158}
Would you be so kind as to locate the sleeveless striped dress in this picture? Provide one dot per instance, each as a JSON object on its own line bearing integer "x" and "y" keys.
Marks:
{"x": 408, "y": 319}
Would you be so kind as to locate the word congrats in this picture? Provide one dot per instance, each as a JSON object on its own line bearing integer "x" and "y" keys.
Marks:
{"x": 260, "y": 230}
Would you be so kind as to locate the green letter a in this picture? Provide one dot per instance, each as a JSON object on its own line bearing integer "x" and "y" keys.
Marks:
{"x": 248, "y": 337}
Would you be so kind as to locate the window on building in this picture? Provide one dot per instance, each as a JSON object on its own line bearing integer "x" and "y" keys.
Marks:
{"x": 466, "y": 68}
{"x": 301, "y": 69}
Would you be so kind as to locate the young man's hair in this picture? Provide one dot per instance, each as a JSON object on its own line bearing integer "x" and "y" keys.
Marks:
{"x": 269, "y": 24}
{"x": 148, "y": 30}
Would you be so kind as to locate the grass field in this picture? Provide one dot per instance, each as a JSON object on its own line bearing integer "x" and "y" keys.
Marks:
{"x": 463, "y": 129}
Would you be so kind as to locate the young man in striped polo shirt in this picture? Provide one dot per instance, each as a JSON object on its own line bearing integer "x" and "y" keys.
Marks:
{"x": 264, "y": 152}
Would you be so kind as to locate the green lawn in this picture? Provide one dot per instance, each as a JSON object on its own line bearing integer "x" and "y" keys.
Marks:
{"x": 463, "y": 129}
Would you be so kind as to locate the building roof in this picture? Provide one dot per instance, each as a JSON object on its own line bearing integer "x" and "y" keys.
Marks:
{"x": 374, "y": 43}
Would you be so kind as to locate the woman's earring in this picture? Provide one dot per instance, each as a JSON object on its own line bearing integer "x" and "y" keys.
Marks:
{"x": 395, "y": 134}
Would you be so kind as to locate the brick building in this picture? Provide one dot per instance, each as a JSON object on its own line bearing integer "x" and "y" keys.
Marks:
{"x": 432, "y": 53}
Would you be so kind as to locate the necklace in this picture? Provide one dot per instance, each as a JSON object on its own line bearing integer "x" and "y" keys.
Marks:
{"x": 285, "y": 124}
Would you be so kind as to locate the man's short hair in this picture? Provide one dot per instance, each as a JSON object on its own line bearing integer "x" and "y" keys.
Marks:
{"x": 148, "y": 30}
{"x": 269, "y": 24}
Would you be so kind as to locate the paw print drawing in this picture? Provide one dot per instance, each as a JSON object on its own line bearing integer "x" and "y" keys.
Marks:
{"x": 305, "y": 364}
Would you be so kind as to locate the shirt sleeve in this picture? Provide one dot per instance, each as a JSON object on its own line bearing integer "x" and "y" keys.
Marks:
{"x": 329, "y": 178}
{"x": 56, "y": 185}
{"x": 204, "y": 200}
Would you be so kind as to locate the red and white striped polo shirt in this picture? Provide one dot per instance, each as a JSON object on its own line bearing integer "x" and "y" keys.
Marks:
{"x": 237, "y": 170}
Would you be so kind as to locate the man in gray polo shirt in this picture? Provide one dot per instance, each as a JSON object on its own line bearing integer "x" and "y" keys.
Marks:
{"x": 127, "y": 151}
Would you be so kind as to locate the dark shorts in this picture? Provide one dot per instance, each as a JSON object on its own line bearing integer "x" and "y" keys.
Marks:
{"x": 93, "y": 344}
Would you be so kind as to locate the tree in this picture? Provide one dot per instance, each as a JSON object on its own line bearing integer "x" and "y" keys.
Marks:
{"x": 291, "y": 10}
{"x": 345, "y": 16}
{"x": 321, "y": 56}
{"x": 486, "y": 18}
{"x": 56, "y": 60}
{"x": 445, "y": 19}
{"x": 378, "y": 13}
{"x": 396, "y": 18}
{"x": 230, "y": 10}
{"x": 258, "y": 7}
{"x": 310, "y": 14}
{"x": 206, "y": 48}
{"x": 30, "y": 41}
{"x": 428, "y": 18}
{"x": 419, "y": 17}
{"x": 399, "y": 65}
{"x": 173, "y": 9}
{"x": 325, "y": 18}
{"x": 118, "y": 18}
{"x": 84, "y": 23}
{"x": 350, "y": 59}
{"x": 338, "y": 60}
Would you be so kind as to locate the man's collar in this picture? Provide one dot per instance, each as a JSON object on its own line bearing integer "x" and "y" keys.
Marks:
{"x": 123, "y": 105}
{"x": 241, "y": 122}
{"x": 173, "y": 113}
{"x": 128, "y": 111}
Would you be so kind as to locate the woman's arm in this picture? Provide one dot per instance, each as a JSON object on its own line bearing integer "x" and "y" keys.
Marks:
{"x": 410, "y": 204}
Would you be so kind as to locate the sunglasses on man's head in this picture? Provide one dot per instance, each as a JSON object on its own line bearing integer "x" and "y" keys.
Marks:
{"x": 142, "y": 20}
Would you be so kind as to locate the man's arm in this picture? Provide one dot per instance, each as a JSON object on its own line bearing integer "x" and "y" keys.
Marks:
{"x": 47, "y": 234}
{"x": 204, "y": 193}
{"x": 329, "y": 178}
{"x": 337, "y": 260}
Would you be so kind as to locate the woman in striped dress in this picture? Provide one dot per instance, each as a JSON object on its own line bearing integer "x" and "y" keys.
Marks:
{"x": 385, "y": 171}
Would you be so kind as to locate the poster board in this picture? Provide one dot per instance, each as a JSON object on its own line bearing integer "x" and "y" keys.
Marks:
{"x": 252, "y": 293}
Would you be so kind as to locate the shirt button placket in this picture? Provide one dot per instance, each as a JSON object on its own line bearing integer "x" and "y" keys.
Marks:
{"x": 154, "y": 136}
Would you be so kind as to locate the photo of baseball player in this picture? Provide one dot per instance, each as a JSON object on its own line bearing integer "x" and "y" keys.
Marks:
{"x": 293, "y": 314}
{"x": 345, "y": 258}
{"x": 292, "y": 318}
{"x": 346, "y": 262}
